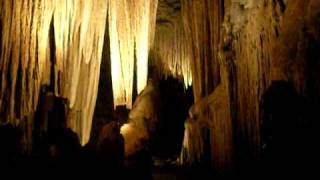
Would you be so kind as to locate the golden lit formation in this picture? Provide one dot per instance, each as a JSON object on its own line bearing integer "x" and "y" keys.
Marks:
{"x": 69, "y": 36}
{"x": 131, "y": 31}
{"x": 78, "y": 28}
{"x": 79, "y": 36}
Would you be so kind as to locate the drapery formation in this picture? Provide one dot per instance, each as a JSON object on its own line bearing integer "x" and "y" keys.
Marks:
{"x": 202, "y": 22}
{"x": 171, "y": 52}
{"x": 131, "y": 30}
{"x": 22, "y": 63}
{"x": 39, "y": 34}
{"x": 68, "y": 36}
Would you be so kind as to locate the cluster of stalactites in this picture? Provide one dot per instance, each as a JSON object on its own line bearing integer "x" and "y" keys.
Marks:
{"x": 26, "y": 56}
{"x": 23, "y": 55}
{"x": 171, "y": 51}
{"x": 131, "y": 31}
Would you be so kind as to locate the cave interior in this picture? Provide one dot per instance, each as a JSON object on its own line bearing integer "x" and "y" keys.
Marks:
{"x": 160, "y": 89}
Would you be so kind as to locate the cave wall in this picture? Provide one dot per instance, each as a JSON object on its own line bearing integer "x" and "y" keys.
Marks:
{"x": 201, "y": 22}
{"x": 271, "y": 40}
{"x": 252, "y": 43}
{"x": 212, "y": 109}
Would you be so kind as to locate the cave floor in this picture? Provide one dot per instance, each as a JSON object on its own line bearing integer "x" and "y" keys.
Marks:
{"x": 170, "y": 170}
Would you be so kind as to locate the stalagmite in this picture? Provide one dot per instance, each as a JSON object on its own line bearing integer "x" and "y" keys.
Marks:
{"x": 143, "y": 119}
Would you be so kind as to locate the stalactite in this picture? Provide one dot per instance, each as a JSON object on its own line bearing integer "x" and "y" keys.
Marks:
{"x": 24, "y": 47}
{"x": 79, "y": 28}
{"x": 131, "y": 27}
{"x": 122, "y": 51}
{"x": 146, "y": 13}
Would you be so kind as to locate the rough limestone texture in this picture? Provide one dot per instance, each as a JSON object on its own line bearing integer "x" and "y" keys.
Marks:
{"x": 271, "y": 40}
{"x": 259, "y": 42}
{"x": 212, "y": 108}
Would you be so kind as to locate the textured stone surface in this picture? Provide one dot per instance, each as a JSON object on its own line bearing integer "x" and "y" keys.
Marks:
{"x": 258, "y": 42}
{"x": 271, "y": 41}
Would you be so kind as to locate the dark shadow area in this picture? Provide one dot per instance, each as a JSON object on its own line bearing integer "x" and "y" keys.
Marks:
{"x": 175, "y": 103}
{"x": 1, "y": 32}
{"x": 312, "y": 88}
{"x": 57, "y": 150}
{"x": 140, "y": 165}
{"x": 11, "y": 147}
{"x": 104, "y": 109}
{"x": 286, "y": 132}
